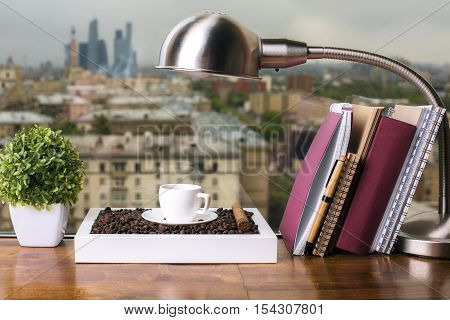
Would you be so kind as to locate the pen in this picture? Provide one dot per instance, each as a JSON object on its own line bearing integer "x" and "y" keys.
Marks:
{"x": 324, "y": 204}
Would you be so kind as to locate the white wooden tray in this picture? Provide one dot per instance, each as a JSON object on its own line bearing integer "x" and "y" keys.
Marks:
{"x": 176, "y": 248}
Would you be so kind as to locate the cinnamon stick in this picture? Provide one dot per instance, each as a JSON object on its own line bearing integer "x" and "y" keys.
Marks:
{"x": 241, "y": 218}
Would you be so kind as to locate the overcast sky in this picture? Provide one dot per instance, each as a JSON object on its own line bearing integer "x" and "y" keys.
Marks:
{"x": 357, "y": 24}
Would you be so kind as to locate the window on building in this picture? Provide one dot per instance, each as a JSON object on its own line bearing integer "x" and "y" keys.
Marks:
{"x": 215, "y": 181}
{"x": 86, "y": 181}
{"x": 137, "y": 167}
{"x": 119, "y": 182}
{"x": 86, "y": 196}
{"x": 102, "y": 181}
{"x": 178, "y": 166}
{"x": 119, "y": 166}
{"x": 119, "y": 196}
{"x": 215, "y": 167}
{"x": 215, "y": 196}
{"x": 102, "y": 196}
{"x": 102, "y": 167}
{"x": 137, "y": 196}
{"x": 137, "y": 181}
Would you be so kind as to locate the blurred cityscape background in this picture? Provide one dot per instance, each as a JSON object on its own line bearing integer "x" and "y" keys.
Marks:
{"x": 137, "y": 128}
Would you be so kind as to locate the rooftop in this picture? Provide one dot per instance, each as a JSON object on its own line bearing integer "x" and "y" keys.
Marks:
{"x": 126, "y": 115}
{"x": 149, "y": 145}
{"x": 23, "y": 117}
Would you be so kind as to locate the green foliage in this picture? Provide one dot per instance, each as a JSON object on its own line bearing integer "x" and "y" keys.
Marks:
{"x": 279, "y": 189}
{"x": 272, "y": 125}
{"x": 39, "y": 167}
{"x": 207, "y": 88}
{"x": 376, "y": 89}
{"x": 236, "y": 99}
{"x": 67, "y": 127}
{"x": 100, "y": 125}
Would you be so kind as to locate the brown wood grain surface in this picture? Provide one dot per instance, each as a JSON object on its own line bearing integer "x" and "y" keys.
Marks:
{"x": 50, "y": 273}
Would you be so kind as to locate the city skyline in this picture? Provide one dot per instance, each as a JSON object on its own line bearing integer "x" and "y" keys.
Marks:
{"x": 92, "y": 54}
{"x": 357, "y": 25}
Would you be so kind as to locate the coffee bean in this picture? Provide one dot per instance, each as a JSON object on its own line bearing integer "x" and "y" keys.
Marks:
{"x": 130, "y": 221}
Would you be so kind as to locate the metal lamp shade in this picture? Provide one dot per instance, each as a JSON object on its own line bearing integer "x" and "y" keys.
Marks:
{"x": 212, "y": 44}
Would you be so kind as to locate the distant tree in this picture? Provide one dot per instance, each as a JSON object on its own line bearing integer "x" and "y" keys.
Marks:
{"x": 272, "y": 125}
{"x": 207, "y": 88}
{"x": 67, "y": 127}
{"x": 236, "y": 99}
{"x": 100, "y": 125}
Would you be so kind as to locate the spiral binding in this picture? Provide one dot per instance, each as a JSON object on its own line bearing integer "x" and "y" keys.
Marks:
{"x": 345, "y": 181}
{"x": 399, "y": 198}
{"x": 418, "y": 159}
{"x": 416, "y": 179}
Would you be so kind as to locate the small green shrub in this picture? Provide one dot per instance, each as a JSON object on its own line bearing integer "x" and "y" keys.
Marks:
{"x": 39, "y": 167}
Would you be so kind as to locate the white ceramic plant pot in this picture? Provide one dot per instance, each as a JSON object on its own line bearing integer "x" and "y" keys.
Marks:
{"x": 39, "y": 228}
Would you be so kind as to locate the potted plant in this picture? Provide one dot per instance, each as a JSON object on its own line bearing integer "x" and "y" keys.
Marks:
{"x": 41, "y": 175}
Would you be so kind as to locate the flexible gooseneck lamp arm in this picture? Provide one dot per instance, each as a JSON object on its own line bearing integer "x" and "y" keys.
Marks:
{"x": 215, "y": 44}
{"x": 281, "y": 53}
{"x": 424, "y": 88}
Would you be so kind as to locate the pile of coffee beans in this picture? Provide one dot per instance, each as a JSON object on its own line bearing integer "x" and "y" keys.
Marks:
{"x": 130, "y": 221}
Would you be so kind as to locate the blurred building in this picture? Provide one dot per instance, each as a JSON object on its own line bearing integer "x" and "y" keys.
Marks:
{"x": 224, "y": 86}
{"x": 125, "y": 57}
{"x": 302, "y": 83}
{"x": 10, "y": 76}
{"x": 12, "y": 88}
{"x": 77, "y": 106}
{"x": 376, "y": 102}
{"x": 310, "y": 110}
{"x": 93, "y": 54}
{"x": 135, "y": 121}
{"x": 72, "y": 56}
{"x": 13, "y": 121}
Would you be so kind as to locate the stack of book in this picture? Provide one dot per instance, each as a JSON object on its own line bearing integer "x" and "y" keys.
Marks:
{"x": 358, "y": 178}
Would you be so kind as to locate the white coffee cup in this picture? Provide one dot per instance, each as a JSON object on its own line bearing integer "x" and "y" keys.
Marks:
{"x": 180, "y": 203}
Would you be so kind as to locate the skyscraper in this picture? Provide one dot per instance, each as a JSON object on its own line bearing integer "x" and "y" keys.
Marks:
{"x": 92, "y": 49}
{"x": 82, "y": 57}
{"x": 97, "y": 56}
{"x": 125, "y": 57}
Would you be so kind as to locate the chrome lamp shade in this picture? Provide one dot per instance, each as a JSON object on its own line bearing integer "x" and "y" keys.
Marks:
{"x": 211, "y": 44}
{"x": 215, "y": 44}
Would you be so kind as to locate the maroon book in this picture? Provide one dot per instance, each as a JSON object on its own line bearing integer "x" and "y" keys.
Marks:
{"x": 381, "y": 170}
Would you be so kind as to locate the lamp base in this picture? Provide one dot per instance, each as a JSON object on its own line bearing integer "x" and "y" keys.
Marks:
{"x": 425, "y": 234}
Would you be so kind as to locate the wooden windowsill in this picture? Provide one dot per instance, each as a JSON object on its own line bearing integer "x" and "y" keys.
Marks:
{"x": 41, "y": 273}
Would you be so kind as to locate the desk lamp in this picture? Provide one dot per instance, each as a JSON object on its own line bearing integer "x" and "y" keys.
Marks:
{"x": 215, "y": 44}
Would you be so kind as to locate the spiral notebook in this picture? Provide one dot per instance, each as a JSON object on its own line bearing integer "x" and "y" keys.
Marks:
{"x": 336, "y": 207}
{"x": 428, "y": 124}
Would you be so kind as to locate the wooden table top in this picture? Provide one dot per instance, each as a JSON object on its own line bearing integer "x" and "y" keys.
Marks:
{"x": 50, "y": 273}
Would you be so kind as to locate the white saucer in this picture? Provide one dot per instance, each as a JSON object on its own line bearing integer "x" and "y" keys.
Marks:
{"x": 156, "y": 215}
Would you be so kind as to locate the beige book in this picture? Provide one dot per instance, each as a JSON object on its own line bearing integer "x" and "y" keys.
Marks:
{"x": 407, "y": 114}
{"x": 364, "y": 125}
